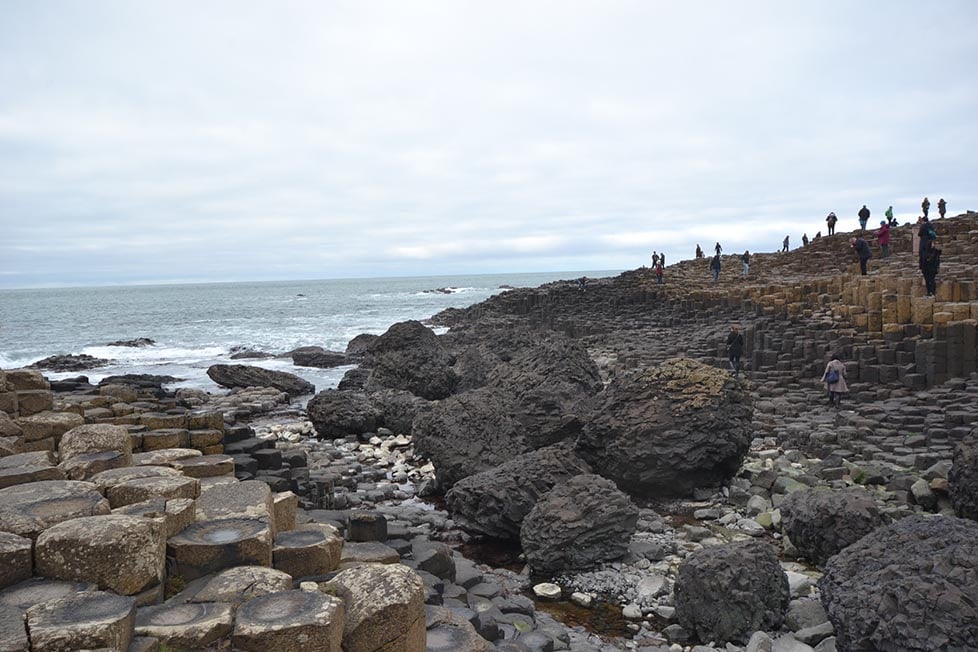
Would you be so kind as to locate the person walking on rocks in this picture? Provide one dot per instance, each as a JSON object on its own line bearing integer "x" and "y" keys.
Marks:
{"x": 745, "y": 259}
{"x": 655, "y": 259}
{"x": 863, "y": 217}
{"x": 831, "y": 220}
{"x": 925, "y": 206}
{"x": 718, "y": 249}
{"x": 715, "y": 267}
{"x": 699, "y": 251}
{"x": 834, "y": 378}
{"x": 941, "y": 207}
{"x": 889, "y": 216}
{"x": 784, "y": 244}
{"x": 883, "y": 237}
{"x": 929, "y": 266}
{"x": 735, "y": 349}
{"x": 662, "y": 259}
{"x": 861, "y": 247}
{"x": 658, "y": 273}
{"x": 804, "y": 239}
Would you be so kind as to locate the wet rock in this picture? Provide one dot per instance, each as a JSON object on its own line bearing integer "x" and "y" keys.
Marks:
{"x": 962, "y": 480}
{"x": 495, "y": 502}
{"x": 384, "y": 608}
{"x": 237, "y": 375}
{"x": 822, "y": 522}
{"x": 83, "y": 621}
{"x": 337, "y": 413}
{"x": 410, "y": 357}
{"x": 723, "y": 593}
{"x": 138, "y": 342}
{"x": 907, "y": 586}
{"x": 27, "y": 510}
{"x": 317, "y": 356}
{"x": 469, "y": 433}
{"x": 290, "y": 621}
{"x": 578, "y": 524}
{"x": 670, "y": 429}
{"x": 70, "y": 362}
{"x": 190, "y": 626}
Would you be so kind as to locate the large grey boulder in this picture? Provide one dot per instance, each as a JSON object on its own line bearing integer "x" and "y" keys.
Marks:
{"x": 962, "y": 480}
{"x": 410, "y": 357}
{"x": 578, "y": 524}
{"x": 670, "y": 429}
{"x": 469, "y": 433}
{"x": 397, "y": 409}
{"x": 821, "y": 522}
{"x": 910, "y": 586}
{"x": 494, "y": 502}
{"x": 337, "y": 413}
{"x": 239, "y": 375}
{"x": 723, "y": 593}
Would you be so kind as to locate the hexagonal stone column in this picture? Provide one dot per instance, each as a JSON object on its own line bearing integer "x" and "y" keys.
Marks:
{"x": 248, "y": 499}
{"x": 124, "y": 554}
{"x": 306, "y": 553}
{"x": 83, "y": 621}
{"x": 139, "y": 489}
{"x": 205, "y": 466}
{"x": 96, "y": 438}
{"x": 28, "y": 467}
{"x": 290, "y": 621}
{"x": 240, "y": 584}
{"x": 29, "y": 509}
{"x": 384, "y": 608}
{"x": 210, "y": 546}
{"x": 186, "y": 626}
{"x": 16, "y": 559}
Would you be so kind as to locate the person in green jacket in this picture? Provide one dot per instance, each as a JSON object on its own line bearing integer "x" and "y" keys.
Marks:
{"x": 889, "y": 216}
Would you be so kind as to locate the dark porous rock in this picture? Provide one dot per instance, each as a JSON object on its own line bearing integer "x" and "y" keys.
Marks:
{"x": 723, "y": 593}
{"x": 317, "y": 356}
{"x": 912, "y": 586}
{"x": 140, "y": 381}
{"x": 821, "y": 522}
{"x": 670, "y": 429}
{"x": 962, "y": 480}
{"x": 136, "y": 343}
{"x": 494, "y": 502}
{"x": 239, "y": 375}
{"x": 397, "y": 409}
{"x": 244, "y": 353}
{"x": 359, "y": 344}
{"x": 410, "y": 357}
{"x": 469, "y": 433}
{"x": 70, "y": 362}
{"x": 578, "y": 524}
{"x": 355, "y": 378}
{"x": 337, "y": 413}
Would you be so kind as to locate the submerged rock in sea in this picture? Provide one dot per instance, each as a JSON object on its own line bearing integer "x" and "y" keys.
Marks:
{"x": 239, "y": 375}
{"x": 317, "y": 356}
{"x": 70, "y": 362}
{"x": 136, "y": 343}
{"x": 669, "y": 429}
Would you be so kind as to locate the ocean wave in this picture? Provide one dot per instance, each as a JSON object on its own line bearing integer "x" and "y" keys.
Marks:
{"x": 16, "y": 362}
{"x": 155, "y": 354}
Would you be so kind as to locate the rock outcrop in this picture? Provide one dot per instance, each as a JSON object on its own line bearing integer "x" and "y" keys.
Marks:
{"x": 669, "y": 430}
{"x": 724, "y": 593}
{"x": 820, "y": 523}
{"x": 410, "y": 357}
{"x": 907, "y": 586}
{"x": 238, "y": 375}
{"x": 962, "y": 479}
{"x": 69, "y": 362}
{"x": 578, "y": 524}
{"x": 317, "y": 356}
{"x": 337, "y": 413}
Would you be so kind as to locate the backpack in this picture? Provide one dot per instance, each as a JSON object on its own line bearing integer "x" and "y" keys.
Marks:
{"x": 832, "y": 377}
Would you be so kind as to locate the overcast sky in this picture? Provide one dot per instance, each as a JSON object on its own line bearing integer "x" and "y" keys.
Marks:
{"x": 189, "y": 141}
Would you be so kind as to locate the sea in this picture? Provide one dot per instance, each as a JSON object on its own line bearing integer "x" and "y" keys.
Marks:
{"x": 195, "y": 326}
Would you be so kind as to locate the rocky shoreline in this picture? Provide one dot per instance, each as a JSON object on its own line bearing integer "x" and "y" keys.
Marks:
{"x": 641, "y": 497}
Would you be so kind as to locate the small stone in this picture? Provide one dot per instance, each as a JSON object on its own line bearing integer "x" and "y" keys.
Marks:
{"x": 631, "y": 611}
{"x": 547, "y": 591}
{"x": 581, "y": 599}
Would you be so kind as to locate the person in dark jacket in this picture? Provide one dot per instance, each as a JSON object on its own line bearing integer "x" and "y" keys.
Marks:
{"x": 863, "y": 217}
{"x": 942, "y": 207}
{"x": 861, "y": 247}
{"x": 930, "y": 266}
{"x": 735, "y": 349}
{"x": 699, "y": 251}
{"x": 718, "y": 249}
{"x": 715, "y": 267}
{"x": 831, "y": 220}
{"x": 745, "y": 259}
{"x": 658, "y": 273}
{"x": 925, "y": 206}
{"x": 927, "y": 235}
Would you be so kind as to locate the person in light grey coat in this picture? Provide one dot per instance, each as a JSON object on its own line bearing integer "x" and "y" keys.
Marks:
{"x": 838, "y": 387}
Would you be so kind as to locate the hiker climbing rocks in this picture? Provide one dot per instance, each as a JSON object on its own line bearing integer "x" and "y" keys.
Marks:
{"x": 735, "y": 348}
{"x": 784, "y": 244}
{"x": 834, "y": 378}
{"x": 745, "y": 259}
{"x": 658, "y": 273}
{"x": 715, "y": 267}
{"x": 831, "y": 220}
{"x": 930, "y": 264}
{"x": 927, "y": 235}
{"x": 863, "y": 217}
{"x": 883, "y": 238}
{"x": 925, "y": 206}
{"x": 941, "y": 207}
{"x": 861, "y": 247}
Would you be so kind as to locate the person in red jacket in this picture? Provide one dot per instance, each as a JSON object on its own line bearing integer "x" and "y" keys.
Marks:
{"x": 883, "y": 237}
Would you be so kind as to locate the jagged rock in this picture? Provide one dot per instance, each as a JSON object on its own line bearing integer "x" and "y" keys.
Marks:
{"x": 907, "y": 586}
{"x": 10, "y": 428}
{"x": 962, "y": 480}
{"x": 354, "y": 379}
{"x": 384, "y": 608}
{"x": 135, "y": 343}
{"x": 670, "y": 429}
{"x": 448, "y": 632}
{"x": 494, "y": 502}
{"x": 317, "y": 356}
{"x": 469, "y": 433}
{"x": 190, "y": 626}
{"x": 578, "y": 524}
{"x": 16, "y": 559}
{"x": 821, "y": 522}
{"x": 244, "y": 353}
{"x": 337, "y": 413}
{"x": 397, "y": 409}
{"x": 83, "y": 621}
{"x": 70, "y": 362}
{"x": 726, "y": 592}
{"x": 290, "y": 621}
{"x": 96, "y": 438}
{"x": 27, "y": 510}
{"x": 211, "y": 546}
{"x": 409, "y": 357}
{"x": 359, "y": 344}
{"x": 121, "y": 553}
{"x": 239, "y": 375}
